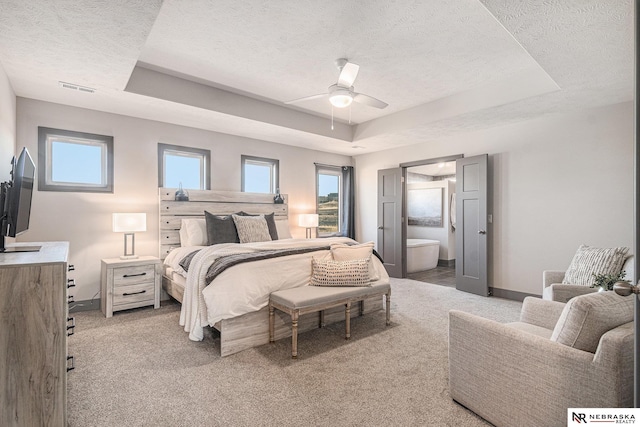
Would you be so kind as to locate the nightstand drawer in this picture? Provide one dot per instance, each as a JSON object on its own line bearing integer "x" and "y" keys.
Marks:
{"x": 125, "y": 276}
{"x": 132, "y": 294}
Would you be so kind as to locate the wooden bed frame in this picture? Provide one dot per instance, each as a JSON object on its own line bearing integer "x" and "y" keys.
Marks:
{"x": 251, "y": 329}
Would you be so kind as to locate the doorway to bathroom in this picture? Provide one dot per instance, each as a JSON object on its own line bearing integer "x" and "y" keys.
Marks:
{"x": 430, "y": 223}
{"x": 468, "y": 251}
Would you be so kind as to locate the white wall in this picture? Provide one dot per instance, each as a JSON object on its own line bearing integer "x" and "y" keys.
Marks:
{"x": 7, "y": 125}
{"x": 442, "y": 234}
{"x": 84, "y": 219}
{"x": 557, "y": 182}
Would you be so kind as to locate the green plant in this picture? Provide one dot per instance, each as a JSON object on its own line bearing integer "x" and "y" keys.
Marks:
{"x": 606, "y": 281}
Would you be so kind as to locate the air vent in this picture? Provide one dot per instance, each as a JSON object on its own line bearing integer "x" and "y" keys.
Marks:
{"x": 76, "y": 87}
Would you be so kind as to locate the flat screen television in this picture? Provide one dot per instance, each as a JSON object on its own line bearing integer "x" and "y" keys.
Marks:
{"x": 15, "y": 200}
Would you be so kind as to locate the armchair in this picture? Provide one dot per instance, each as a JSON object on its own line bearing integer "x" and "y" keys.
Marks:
{"x": 558, "y": 356}
{"x": 554, "y": 290}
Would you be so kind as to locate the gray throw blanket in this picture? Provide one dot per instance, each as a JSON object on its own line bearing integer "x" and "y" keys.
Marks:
{"x": 227, "y": 261}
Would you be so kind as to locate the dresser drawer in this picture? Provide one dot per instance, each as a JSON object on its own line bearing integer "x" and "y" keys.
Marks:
{"x": 143, "y": 293}
{"x": 125, "y": 276}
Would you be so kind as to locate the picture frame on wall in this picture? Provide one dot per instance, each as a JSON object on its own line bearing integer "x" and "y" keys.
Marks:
{"x": 424, "y": 207}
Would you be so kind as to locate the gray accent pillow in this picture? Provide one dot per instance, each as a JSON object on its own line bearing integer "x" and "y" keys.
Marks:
{"x": 220, "y": 229}
{"x": 327, "y": 272}
{"x": 586, "y": 317}
{"x": 271, "y": 223}
{"x": 252, "y": 228}
{"x": 589, "y": 261}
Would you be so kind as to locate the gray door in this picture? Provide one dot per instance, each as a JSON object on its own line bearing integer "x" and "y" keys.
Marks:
{"x": 390, "y": 238}
{"x": 471, "y": 225}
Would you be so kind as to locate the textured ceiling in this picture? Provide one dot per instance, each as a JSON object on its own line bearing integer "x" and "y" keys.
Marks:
{"x": 444, "y": 67}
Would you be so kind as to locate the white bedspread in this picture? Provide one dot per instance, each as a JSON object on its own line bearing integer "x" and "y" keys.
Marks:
{"x": 245, "y": 287}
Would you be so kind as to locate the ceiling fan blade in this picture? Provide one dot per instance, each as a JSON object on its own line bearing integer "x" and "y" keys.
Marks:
{"x": 348, "y": 74}
{"x": 306, "y": 98}
{"x": 369, "y": 100}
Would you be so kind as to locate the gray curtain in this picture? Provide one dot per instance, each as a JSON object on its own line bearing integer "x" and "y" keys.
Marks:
{"x": 348, "y": 202}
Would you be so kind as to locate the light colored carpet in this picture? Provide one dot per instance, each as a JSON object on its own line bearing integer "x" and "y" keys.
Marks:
{"x": 140, "y": 369}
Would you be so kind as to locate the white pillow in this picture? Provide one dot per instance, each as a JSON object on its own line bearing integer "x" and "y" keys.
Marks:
{"x": 282, "y": 226}
{"x": 344, "y": 252}
{"x": 193, "y": 232}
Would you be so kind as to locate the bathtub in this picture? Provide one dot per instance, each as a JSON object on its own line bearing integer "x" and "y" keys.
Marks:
{"x": 422, "y": 254}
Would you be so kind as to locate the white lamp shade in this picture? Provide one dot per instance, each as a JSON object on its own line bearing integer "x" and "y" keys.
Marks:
{"x": 308, "y": 220}
{"x": 129, "y": 222}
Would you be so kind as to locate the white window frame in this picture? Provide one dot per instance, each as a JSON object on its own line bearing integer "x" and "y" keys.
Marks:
{"x": 46, "y": 137}
{"x": 204, "y": 156}
{"x": 272, "y": 164}
{"x": 334, "y": 171}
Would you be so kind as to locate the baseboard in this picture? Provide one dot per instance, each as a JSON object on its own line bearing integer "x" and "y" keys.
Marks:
{"x": 512, "y": 295}
{"x": 86, "y": 305}
{"x": 447, "y": 263}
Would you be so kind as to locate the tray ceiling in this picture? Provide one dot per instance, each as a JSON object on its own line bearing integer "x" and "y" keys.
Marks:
{"x": 443, "y": 67}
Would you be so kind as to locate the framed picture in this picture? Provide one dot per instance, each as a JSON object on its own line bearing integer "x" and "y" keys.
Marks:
{"x": 425, "y": 207}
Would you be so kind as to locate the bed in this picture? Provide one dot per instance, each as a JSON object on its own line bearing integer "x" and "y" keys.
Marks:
{"x": 243, "y": 321}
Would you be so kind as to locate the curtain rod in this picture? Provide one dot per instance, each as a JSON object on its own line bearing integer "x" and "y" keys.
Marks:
{"x": 330, "y": 166}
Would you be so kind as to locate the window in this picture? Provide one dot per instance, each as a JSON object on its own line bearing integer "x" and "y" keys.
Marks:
{"x": 74, "y": 161}
{"x": 329, "y": 198}
{"x": 184, "y": 166}
{"x": 259, "y": 175}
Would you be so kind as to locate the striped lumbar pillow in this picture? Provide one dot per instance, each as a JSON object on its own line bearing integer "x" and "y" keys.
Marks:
{"x": 252, "y": 228}
{"x": 589, "y": 261}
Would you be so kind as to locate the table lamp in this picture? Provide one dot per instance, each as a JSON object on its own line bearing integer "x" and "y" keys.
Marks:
{"x": 129, "y": 223}
{"x": 309, "y": 221}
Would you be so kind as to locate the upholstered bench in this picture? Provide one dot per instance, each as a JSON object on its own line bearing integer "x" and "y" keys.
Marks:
{"x": 310, "y": 299}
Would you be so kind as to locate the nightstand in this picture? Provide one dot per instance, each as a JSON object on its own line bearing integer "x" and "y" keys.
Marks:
{"x": 129, "y": 283}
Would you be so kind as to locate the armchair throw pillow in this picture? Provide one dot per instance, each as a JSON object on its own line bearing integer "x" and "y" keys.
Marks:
{"x": 589, "y": 261}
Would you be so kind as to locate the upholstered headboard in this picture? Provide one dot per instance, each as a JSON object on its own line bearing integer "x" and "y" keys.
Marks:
{"x": 217, "y": 202}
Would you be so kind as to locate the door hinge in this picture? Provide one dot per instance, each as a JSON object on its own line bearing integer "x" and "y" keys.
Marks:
{"x": 402, "y": 179}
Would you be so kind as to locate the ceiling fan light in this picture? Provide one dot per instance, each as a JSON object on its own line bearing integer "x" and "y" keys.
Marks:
{"x": 341, "y": 100}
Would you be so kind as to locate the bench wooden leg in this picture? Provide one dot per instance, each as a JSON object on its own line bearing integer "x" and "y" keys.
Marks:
{"x": 388, "y": 304}
{"x": 347, "y": 321}
{"x": 362, "y": 308}
{"x": 271, "y": 324}
{"x": 294, "y": 335}
{"x": 322, "y": 318}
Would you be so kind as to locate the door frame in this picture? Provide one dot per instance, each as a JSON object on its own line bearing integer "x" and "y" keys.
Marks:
{"x": 405, "y": 222}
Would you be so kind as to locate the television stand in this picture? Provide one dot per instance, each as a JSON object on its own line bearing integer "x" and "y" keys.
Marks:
{"x": 17, "y": 248}
{"x": 13, "y": 249}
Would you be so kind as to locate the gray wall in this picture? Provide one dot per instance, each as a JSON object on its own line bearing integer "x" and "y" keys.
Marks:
{"x": 84, "y": 219}
{"x": 557, "y": 182}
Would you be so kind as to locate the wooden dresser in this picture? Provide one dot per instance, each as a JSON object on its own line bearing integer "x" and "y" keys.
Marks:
{"x": 34, "y": 324}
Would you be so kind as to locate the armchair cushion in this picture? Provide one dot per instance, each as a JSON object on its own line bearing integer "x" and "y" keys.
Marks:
{"x": 541, "y": 313}
{"x": 589, "y": 261}
{"x": 586, "y": 318}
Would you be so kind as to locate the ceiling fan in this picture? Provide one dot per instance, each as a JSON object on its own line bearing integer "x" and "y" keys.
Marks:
{"x": 341, "y": 94}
